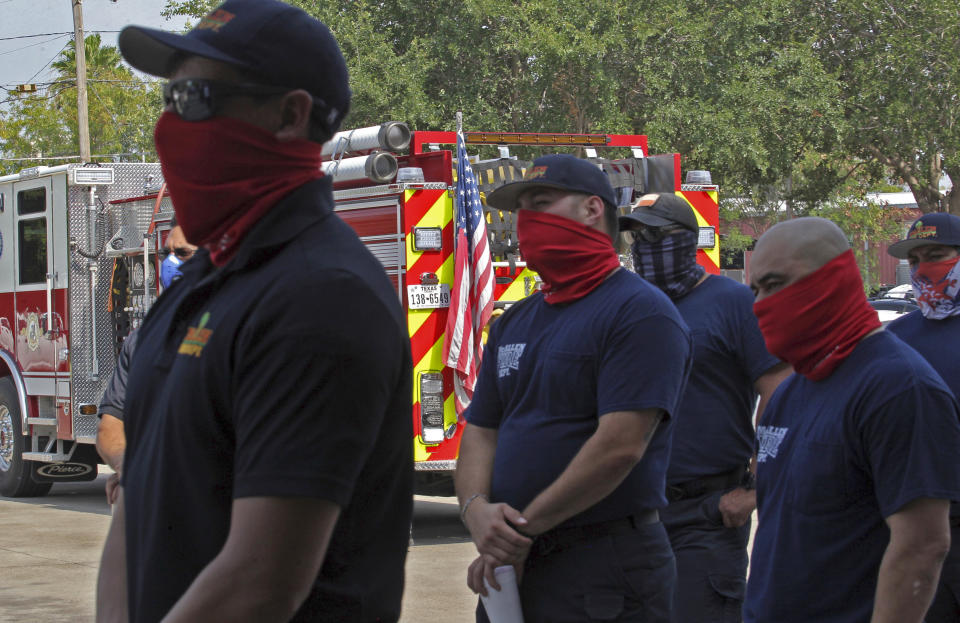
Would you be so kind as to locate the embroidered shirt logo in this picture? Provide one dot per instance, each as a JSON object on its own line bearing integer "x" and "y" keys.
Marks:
{"x": 508, "y": 358}
{"x": 770, "y": 438}
{"x": 197, "y": 337}
{"x": 216, "y": 20}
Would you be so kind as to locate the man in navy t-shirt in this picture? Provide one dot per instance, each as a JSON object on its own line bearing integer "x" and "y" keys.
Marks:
{"x": 932, "y": 247}
{"x": 710, "y": 479}
{"x": 563, "y": 461}
{"x": 856, "y": 451}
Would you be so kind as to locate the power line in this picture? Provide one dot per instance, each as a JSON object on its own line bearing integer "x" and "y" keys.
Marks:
{"x": 49, "y": 34}
{"x": 32, "y": 45}
{"x": 47, "y": 64}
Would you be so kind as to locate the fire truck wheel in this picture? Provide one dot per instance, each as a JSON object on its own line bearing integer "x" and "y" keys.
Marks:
{"x": 16, "y": 479}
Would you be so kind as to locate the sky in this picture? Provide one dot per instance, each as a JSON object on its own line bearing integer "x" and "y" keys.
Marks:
{"x": 25, "y": 59}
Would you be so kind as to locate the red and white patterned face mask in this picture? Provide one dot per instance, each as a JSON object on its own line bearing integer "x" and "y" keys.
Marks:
{"x": 937, "y": 288}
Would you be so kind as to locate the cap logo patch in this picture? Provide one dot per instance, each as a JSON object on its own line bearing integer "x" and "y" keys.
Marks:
{"x": 216, "y": 20}
{"x": 923, "y": 231}
{"x": 535, "y": 172}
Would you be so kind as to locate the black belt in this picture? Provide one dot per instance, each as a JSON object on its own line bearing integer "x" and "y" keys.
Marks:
{"x": 565, "y": 537}
{"x": 702, "y": 486}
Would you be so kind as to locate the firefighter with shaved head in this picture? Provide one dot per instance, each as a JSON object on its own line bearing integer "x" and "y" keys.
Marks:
{"x": 268, "y": 473}
{"x": 856, "y": 451}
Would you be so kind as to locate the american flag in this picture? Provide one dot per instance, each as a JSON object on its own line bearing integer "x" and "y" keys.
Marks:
{"x": 472, "y": 298}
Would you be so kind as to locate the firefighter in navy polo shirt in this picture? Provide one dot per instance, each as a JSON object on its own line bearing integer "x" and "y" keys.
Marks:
{"x": 932, "y": 247}
{"x": 710, "y": 479}
{"x": 856, "y": 459}
{"x": 268, "y": 473}
{"x": 563, "y": 459}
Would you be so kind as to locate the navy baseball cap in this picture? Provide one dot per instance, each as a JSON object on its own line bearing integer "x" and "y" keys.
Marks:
{"x": 933, "y": 228}
{"x": 659, "y": 210}
{"x": 560, "y": 171}
{"x": 279, "y": 43}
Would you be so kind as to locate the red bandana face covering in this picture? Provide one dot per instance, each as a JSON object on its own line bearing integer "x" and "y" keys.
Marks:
{"x": 571, "y": 258}
{"x": 224, "y": 175}
{"x": 815, "y": 323}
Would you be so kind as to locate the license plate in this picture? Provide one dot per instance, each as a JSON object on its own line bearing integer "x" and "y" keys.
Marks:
{"x": 428, "y": 297}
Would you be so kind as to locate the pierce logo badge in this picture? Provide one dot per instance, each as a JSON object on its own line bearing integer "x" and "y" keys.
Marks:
{"x": 197, "y": 337}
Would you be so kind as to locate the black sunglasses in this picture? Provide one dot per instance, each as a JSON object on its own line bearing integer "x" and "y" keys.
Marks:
{"x": 649, "y": 233}
{"x": 197, "y": 99}
{"x": 181, "y": 252}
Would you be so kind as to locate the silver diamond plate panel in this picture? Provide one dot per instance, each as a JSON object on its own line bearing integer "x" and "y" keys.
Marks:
{"x": 434, "y": 466}
{"x": 88, "y": 309}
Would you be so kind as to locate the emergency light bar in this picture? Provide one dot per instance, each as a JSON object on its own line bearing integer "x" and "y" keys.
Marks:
{"x": 380, "y": 167}
{"x": 390, "y": 136}
{"x": 521, "y": 138}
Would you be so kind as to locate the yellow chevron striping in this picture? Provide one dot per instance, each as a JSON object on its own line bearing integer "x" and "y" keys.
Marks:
{"x": 518, "y": 289}
{"x": 416, "y": 317}
{"x": 714, "y": 253}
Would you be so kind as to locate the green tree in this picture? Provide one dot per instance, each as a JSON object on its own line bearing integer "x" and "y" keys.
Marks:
{"x": 122, "y": 111}
{"x": 896, "y": 65}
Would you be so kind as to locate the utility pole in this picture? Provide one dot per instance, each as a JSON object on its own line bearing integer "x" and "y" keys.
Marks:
{"x": 80, "y": 48}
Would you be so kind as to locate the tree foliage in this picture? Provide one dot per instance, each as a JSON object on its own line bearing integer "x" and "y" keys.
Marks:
{"x": 122, "y": 111}
{"x": 897, "y": 66}
{"x": 790, "y": 104}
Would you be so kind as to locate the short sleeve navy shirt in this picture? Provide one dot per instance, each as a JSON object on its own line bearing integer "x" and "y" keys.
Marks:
{"x": 549, "y": 372}
{"x": 714, "y": 428}
{"x": 115, "y": 393}
{"x": 937, "y": 340}
{"x": 837, "y": 457}
{"x": 285, "y": 373}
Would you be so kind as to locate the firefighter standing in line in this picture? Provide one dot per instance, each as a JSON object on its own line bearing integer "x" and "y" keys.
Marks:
{"x": 111, "y": 440}
{"x": 933, "y": 248}
{"x": 856, "y": 451}
{"x": 710, "y": 482}
{"x": 275, "y": 483}
{"x": 562, "y": 462}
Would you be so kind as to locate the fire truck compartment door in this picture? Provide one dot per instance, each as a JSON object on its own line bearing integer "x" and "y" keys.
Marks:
{"x": 32, "y": 247}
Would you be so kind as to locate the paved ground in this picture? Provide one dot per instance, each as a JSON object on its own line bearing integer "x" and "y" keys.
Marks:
{"x": 50, "y": 552}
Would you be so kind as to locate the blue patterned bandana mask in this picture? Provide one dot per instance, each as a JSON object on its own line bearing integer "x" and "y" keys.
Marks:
{"x": 670, "y": 264}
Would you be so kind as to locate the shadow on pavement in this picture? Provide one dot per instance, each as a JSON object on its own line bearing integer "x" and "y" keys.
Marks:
{"x": 83, "y": 497}
{"x": 436, "y": 521}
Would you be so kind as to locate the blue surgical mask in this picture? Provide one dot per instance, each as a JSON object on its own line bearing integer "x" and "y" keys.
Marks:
{"x": 170, "y": 270}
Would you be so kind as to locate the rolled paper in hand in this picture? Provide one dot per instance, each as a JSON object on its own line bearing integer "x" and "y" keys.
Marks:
{"x": 503, "y": 606}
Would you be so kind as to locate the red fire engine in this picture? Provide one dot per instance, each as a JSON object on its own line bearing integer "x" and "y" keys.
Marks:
{"x": 408, "y": 225}
{"x": 78, "y": 266}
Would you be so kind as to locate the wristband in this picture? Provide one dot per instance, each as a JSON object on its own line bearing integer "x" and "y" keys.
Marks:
{"x": 466, "y": 505}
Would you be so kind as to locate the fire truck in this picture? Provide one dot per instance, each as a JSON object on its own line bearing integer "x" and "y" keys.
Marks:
{"x": 408, "y": 225}
{"x": 79, "y": 259}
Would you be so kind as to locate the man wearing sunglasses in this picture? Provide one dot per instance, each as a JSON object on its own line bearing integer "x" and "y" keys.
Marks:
{"x": 175, "y": 252}
{"x": 710, "y": 477}
{"x": 275, "y": 482}
{"x": 562, "y": 462}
